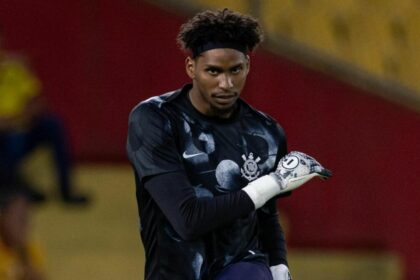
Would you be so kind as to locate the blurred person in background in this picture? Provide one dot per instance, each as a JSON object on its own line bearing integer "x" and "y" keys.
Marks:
{"x": 207, "y": 165}
{"x": 20, "y": 258}
{"x": 25, "y": 124}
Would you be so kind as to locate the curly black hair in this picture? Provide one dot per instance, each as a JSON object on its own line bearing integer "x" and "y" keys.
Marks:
{"x": 222, "y": 26}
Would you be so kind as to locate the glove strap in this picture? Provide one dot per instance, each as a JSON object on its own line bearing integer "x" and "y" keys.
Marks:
{"x": 262, "y": 189}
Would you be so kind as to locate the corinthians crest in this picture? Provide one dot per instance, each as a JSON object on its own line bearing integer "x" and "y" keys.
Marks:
{"x": 249, "y": 169}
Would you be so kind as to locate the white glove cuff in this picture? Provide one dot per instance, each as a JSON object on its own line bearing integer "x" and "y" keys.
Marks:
{"x": 262, "y": 189}
{"x": 280, "y": 272}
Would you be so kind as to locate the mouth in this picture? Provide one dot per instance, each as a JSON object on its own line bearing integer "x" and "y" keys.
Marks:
{"x": 224, "y": 98}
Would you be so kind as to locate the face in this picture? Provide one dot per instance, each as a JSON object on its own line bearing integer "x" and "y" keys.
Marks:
{"x": 218, "y": 77}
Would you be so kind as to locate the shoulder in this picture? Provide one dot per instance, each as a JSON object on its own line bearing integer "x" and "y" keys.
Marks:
{"x": 153, "y": 106}
{"x": 264, "y": 119}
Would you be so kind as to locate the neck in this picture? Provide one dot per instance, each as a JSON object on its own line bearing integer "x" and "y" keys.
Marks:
{"x": 206, "y": 109}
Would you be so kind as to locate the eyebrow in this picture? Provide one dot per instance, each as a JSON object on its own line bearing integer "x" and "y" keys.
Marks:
{"x": 208, "y": 66}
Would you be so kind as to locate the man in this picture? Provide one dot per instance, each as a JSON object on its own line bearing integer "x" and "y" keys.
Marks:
{"x": 26, "y": 125}
{"x": 207, "y": 164}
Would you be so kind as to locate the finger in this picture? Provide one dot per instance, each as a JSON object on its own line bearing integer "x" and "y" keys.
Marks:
{"x": 325, "y": 173}
{"x": 298, "y": 181}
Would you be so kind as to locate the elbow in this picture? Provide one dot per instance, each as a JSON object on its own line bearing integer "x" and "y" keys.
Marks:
{"x": 187, "y": 231}
{"x": 189, "y": 226}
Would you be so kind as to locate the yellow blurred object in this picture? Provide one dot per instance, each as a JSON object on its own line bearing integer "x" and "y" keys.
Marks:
{"x": 11, "y": 266}
{"x": 17, "y": 86}
{"x": 376, "y": 37}
{"x": 379, "y": 37}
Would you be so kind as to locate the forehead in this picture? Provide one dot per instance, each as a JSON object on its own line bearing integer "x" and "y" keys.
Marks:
{"x": 222, "y": 57}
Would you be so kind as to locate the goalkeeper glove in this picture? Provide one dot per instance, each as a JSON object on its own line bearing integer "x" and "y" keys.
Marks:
{"x": 293, "y": 170}
{"x": 280, "y": 272}
{"x": 297, "y": 168}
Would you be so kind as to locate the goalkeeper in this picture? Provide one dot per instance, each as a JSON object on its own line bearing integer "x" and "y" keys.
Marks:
{"x": 207, "y": 164}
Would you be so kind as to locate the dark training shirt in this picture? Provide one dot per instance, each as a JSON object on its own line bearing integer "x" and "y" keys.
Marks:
{"x": 189, "y": 171}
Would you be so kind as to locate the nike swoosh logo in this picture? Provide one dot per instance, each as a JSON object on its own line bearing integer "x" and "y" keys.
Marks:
{"x": 187, "y": 156}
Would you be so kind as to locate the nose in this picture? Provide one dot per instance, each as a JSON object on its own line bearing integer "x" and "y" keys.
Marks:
{"x": 226, "y": 82}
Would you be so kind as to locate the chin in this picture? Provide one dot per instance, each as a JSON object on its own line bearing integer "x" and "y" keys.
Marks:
{"x": 223, "y": 110}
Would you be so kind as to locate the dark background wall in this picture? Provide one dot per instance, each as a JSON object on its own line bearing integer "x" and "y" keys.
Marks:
{"x": 97, "y": 59}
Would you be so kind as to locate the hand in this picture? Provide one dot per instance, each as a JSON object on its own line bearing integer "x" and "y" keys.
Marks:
{"x": 295, "y": 169}
{"x": 280, "y": 272}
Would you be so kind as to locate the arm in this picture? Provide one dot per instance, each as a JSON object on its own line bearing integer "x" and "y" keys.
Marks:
{"x": 271, "y": 234}
{"x": 190, "y": 215}
{"x": 152, "y": 149}
{"x": 273, "y": 241}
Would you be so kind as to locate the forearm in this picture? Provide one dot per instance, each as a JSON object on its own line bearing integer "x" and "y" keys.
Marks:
{"x": 271, "y": 234}
{"x": 192, "y": 216}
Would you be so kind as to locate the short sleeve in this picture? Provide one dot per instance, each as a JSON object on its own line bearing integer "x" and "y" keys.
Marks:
{"x": 151, "y": 144}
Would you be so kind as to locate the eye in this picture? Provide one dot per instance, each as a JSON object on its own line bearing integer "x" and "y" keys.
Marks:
{"x": 212, "y": 71}
{"x": 237, "y": 70}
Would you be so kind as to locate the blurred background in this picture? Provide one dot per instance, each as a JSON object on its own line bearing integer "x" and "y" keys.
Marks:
{"x": 341, "y": 77}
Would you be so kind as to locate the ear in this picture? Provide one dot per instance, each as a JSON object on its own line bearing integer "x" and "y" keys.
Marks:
{"x": 248, "y": 63}
{"x": 190, "y": 67}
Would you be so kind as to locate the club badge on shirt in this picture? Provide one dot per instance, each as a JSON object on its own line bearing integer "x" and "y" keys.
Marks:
{"x": 249, "y": 169}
